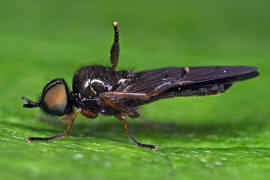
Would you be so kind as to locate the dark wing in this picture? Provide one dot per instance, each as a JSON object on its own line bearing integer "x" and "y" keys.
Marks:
{"x": 171, "y": 77}
{"x": 223, "y": 74}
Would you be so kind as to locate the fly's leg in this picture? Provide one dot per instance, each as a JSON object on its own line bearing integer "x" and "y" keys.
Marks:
{"x": 108, "y": 97}
{"x": 114, "y": 53}
{"x": 89, "y": 114}
{"x": 124, "y": 119}
{"x": 125, "y": 94}
{"x": 73, "y": 116}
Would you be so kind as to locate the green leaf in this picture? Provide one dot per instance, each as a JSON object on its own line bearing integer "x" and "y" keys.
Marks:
{"x": 217, "y": 137}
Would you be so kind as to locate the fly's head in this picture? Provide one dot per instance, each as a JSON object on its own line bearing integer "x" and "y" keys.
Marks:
{"x": 55, "y": 99}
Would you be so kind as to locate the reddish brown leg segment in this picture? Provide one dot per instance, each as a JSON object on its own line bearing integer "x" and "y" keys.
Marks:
{"x": 29, "y": 139}
{"x": 89, "y": 114}
{"x": 107, "y": 96}
{"x": 71, "y": 122}
{"x": 124, "y": 119}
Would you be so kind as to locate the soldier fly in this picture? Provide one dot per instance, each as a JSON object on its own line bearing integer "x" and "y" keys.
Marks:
{"x": 120, "y": 93}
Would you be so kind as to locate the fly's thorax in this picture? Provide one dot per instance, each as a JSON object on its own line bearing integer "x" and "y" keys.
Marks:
{"x": 90, "y": 81}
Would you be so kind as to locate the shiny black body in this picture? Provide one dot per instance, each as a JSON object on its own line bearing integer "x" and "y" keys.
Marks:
{"x": 200, "y": 81}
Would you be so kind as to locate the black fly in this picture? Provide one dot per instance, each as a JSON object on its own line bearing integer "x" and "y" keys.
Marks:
{"x": 99, "y": 89}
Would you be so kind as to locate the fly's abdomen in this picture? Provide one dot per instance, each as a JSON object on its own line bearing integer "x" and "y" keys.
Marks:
{"x": 202, "y": 91}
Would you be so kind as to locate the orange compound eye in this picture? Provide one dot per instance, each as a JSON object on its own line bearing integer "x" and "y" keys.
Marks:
{"x": 55, "y": 98}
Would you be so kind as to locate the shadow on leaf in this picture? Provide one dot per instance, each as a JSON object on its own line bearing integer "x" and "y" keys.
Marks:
{"x": 184, "y": 131}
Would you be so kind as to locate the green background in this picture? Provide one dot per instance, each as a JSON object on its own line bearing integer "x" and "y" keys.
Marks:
{"x": 218, "y": 137}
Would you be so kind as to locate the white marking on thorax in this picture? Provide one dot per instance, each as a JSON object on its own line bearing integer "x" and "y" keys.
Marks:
{"x": 86, "y": 84}
{"x": 122, "y": 81}
{"x": 101, "y": 82}
{"x": 98, "y": 81}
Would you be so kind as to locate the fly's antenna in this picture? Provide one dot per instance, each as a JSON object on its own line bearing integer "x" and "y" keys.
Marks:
{"x": 114, "y": 53}
{"x": 29, "y": 103}
{"x": 116, "y": 32}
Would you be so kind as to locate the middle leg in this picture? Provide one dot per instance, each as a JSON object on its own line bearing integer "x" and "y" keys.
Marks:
{"x": 108, "y": 97}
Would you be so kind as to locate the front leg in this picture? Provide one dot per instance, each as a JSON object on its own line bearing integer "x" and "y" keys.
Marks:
{"x": 72, "y": 118}
{"x": 88, "y": 114}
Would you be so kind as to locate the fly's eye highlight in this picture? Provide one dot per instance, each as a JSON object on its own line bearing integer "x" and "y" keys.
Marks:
{"x": 55, "y": 98}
